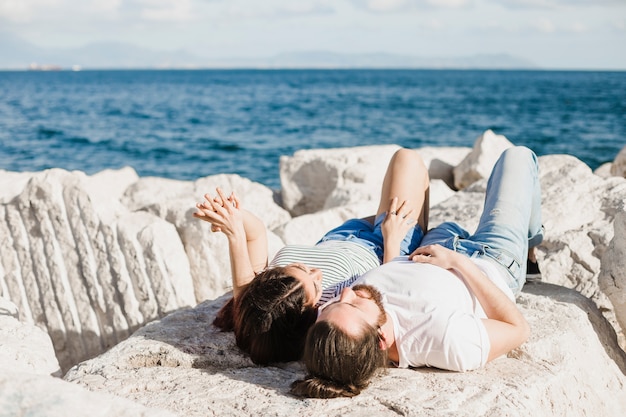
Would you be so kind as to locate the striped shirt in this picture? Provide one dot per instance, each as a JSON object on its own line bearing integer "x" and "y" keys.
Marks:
{"x": 340, "y": 261}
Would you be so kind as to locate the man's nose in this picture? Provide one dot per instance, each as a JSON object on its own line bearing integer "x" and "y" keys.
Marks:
{"x": 346, "y": 295}
{"x": 317, "y": 274}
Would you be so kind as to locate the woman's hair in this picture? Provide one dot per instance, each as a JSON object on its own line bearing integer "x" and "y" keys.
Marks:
{"x": 270, "y": 317}
{"x": 339, "y": 365}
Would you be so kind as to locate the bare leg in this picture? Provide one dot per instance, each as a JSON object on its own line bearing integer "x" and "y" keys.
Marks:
{"x": 407, "y": 178}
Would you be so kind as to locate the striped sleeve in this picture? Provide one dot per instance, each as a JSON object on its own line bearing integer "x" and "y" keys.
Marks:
{"x": 341, "y": 263}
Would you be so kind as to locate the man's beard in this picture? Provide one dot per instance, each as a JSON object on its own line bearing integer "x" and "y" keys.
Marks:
{"x": 377, "y": 297}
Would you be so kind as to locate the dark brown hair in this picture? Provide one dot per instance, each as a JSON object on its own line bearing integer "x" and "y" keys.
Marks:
{"x": 339, "y": 365}
{"x": 270, "y": 317}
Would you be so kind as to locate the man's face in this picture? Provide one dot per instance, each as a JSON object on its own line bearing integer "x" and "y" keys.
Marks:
{"x": 356, "y": 306}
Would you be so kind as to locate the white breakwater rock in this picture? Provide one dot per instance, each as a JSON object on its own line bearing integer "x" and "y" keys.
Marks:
{"x": 28, "y": 385}
{"x": 92, "y": 258}
{"x": 186, "y": 366}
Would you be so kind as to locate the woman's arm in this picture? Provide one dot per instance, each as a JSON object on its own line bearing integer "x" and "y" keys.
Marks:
{"x": 246, "y": 234}
{"x": 506, "y": 326}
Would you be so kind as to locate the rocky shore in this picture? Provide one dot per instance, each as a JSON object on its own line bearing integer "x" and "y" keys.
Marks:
{"x": 108, "y": 287}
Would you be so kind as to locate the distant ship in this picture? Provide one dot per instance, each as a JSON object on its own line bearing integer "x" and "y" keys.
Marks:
{"x": 44, "y": 67}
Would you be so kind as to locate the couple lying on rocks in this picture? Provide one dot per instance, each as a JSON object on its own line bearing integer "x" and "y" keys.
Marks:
{"x": 379, "y": 291}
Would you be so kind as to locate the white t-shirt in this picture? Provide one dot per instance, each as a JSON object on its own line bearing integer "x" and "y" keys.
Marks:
{"x": 437, "y": 319}
{"x": 341, "y": 263}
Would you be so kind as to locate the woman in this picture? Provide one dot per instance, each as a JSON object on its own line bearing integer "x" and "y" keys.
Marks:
{"x": 272, "y": 308}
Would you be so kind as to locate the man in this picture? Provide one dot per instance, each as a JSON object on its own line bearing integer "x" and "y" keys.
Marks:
{"x": 450, "y": 304}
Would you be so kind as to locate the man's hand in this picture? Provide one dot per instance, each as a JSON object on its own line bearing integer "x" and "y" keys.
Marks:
{"x": 436, "y": 255}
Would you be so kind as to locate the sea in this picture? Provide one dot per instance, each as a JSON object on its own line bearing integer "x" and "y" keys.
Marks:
{"x": 187, "y": 124}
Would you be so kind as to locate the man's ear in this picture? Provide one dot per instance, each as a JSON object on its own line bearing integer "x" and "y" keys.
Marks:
{"x": 382, "y": 340}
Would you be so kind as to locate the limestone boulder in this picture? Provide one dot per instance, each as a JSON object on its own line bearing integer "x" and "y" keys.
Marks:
{"x": 612, "y": 279}
{"x": 441, "y": 161}
{"x": 318, "y": 179}
{"x": 183, "y": 365}
{"x": 29, "y": 383}
{"x": 578, "y": 210}
{"x": 604, "y": 170}
{"x": 24, "y": 348}
{"x": 26, "y": 394}
{"x": 480, "y": 161}
{"x": 308, "y": 229}
{"x": 89, "y": 279}
{"x": 618, "y": 168}
{"x": 12, "y": 183}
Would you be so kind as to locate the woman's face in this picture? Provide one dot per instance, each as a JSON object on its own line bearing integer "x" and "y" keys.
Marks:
{"x": 311, "y": 279}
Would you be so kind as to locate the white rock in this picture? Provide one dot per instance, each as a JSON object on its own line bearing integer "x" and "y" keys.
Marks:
{"x": 618, "y": 168}
{"x": 12, "y": 183}
{"x": 480, "y": 161}
{"x": 317, "y": 179}
{"x": 439, "y": 191}
{"x": 441, "y": 161}
{"x": 564, "y": 179}
{"x": 578, "y": 210}
{"x": 309, "y": 228}
{"x": 612, "y": 279}
{"x": 106, "y": 188}
{"x": 24, "y": 394}
{"x": 65, "y": 269}
{"x": 183, "y": 365}
{"x": 24, "y": 347}
{"x": 604, "y": 170}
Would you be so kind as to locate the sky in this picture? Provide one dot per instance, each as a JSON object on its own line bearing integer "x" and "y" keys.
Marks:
{"x": 569, "y": 34}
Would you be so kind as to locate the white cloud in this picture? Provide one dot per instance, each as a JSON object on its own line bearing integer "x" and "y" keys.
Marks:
{"x": 402, "y": 5}
{"x": 242, "y": 28}
{"x": 166, "y": 10}
{"x": 577, "y": 27}
{"x": 385, "y": 5}
{"x": 544, "y": 25}
{"x": 554, "y": 4}
{"x": 619, "y": 24}
{"x": 303, "y": 8}
{"x": 26, "y": 10}
{"x": 106, "y": 6}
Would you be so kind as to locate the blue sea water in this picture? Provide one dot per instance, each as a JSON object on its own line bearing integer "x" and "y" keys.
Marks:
{"x": 189, "y": 124}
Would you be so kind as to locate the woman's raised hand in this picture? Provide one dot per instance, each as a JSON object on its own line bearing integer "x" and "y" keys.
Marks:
{"x": 222, "y": 212}
{"x": 398, "y": 221}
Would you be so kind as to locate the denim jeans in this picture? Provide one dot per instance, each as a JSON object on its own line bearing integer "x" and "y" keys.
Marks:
{"x": 371, "y": 235}
{"x": 511, "y": 219}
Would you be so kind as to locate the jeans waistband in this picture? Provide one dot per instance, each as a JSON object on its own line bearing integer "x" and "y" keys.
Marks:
{"x": 500, "y": 256}
{"x": 504, "y": 259}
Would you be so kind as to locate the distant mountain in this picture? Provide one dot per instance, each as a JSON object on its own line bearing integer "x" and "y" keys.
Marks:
{"x": 16, "y": 53}
{"x": 383, "y": 60}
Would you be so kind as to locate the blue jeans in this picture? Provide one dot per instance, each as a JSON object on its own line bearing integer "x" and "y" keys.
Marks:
{"x": 371, "y": 236}
{"x": 511, "y": 219}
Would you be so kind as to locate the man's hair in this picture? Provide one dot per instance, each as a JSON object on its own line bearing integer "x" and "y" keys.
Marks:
{"x": 270, "y": 317}
{"x": 339, "y": 365}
